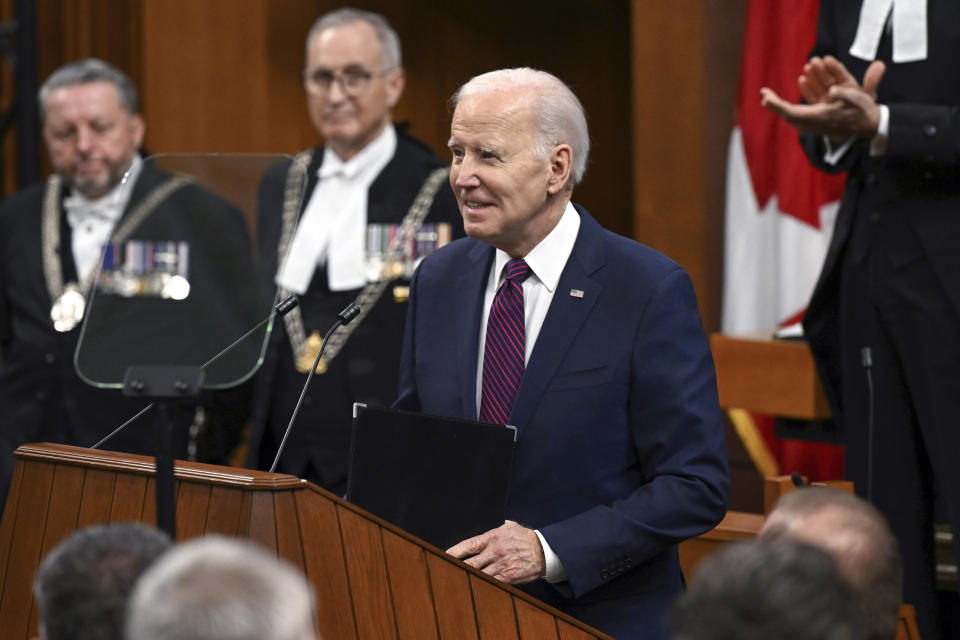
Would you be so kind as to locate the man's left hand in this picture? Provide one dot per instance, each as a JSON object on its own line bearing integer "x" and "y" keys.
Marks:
{"x": 510, "y": 553}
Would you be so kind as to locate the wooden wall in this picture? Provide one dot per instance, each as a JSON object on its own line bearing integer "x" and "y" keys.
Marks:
{"x": 657, "y": 78}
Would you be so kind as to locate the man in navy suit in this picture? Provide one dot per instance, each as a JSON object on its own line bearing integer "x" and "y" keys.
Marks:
{"x": 620, "y": 453}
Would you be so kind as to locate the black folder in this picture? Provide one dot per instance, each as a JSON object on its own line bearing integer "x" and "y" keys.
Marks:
{"x": 441, "y": 479}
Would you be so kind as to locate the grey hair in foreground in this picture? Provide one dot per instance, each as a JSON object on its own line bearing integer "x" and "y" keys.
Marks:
{"x": 87, "y": 71}
{"x": 560, "y": 116}
{"x": 761, "y": 590}
{"x": 390, "y": 58}
{"x": 219, "y": 588}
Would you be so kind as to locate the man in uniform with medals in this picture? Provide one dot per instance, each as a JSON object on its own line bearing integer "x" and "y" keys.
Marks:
{"x": 51, "y": 238}
{"x": 344, "y": 222}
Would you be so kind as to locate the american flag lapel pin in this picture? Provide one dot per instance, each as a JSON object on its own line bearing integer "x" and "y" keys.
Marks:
{"x": 576, "y": 293}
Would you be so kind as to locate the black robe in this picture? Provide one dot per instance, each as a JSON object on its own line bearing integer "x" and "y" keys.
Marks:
{"x": 366, "y": 369}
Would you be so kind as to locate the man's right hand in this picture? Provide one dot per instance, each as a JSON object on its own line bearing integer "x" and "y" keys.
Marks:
{"x": 837, "y": 106}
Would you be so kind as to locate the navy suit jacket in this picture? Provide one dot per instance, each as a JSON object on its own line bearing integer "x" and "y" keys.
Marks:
{"x": 620, "y": 453}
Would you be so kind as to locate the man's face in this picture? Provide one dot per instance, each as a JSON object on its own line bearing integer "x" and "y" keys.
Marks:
{"x": 349, "y": 119}
{"x": 90, "y": 136}
{"x": 503, "y": 189}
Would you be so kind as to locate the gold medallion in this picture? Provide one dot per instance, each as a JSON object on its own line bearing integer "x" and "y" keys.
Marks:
{"x": 309, "y": 353}
{"x": 67, "y": 310}
{"x": 393, "y": 269}
{"x": 401, "y": 293}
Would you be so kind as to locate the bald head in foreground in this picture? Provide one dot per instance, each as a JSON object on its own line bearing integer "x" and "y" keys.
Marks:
{"x": 589, "y": 343}
{"x": 860, "y": 540}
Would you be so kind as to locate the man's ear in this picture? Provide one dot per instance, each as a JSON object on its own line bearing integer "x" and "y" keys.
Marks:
{"x": 396, "y": 80}
{"x": 138, "y": 129}
{"x": 561, "y": 169}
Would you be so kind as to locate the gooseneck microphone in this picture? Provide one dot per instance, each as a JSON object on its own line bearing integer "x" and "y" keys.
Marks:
{"x": 344, "y": 317}
{"x": 281, "y": 309}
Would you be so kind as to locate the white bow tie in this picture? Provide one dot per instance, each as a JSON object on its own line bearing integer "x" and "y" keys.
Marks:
{"x": 909, "y": 24}
{"x": 80, "y": 211}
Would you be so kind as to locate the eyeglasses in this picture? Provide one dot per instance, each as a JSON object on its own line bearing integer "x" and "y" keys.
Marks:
{"x": 352, "y": 80}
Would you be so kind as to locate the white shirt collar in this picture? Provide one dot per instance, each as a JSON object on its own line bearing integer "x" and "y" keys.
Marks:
{"x": 107, "y": 207}
{"x": 549, "y": 257}
{"x": 371, "y": 158}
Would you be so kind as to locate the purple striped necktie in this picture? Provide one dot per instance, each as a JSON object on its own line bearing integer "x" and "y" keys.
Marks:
{"x": 503, "y": 350}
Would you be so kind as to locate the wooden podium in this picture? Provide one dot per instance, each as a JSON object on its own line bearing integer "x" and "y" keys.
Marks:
{"x": 371, "y": 579}
{"x": 760, "y": 373}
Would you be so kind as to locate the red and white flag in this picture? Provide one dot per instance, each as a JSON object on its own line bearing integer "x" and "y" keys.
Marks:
{"x": 779, "y": 216}
{"x": 779, "y": 209}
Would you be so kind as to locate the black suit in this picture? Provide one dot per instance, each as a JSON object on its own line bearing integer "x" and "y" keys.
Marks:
{"x": 891, "y": 284}
{"x": 366, "y": 368}
{"x": 41, "y": 396}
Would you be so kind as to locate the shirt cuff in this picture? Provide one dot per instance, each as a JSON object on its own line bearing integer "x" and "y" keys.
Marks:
{"x": 554, "y": 570}
{"x": 878, "y": 143}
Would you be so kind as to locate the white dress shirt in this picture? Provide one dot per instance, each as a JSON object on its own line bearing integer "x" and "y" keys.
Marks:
{"x": 546, "y": 262}
{"x": 92, "y": 221}
{"x": 332, "y": 230}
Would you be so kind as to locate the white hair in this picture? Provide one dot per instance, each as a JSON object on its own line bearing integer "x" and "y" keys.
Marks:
{"x": 559, "y": 116}
{"x": 219, "y": 588}
{"x": 390, "y": 58}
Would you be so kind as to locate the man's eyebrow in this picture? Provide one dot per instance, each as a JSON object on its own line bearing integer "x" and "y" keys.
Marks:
{"x": 451, "y": 142}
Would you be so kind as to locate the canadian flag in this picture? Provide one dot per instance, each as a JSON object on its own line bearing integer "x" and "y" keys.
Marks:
{"x": 779, "y": 214}
{"x": 779, "y": 209}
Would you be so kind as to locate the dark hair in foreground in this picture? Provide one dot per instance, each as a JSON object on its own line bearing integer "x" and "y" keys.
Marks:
{"x": 82, "y": 586}
{"x": 759, "y": 591}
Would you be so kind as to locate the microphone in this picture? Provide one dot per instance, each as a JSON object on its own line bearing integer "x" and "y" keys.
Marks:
{"x": 797, "y": 480}
{"x": 344, "y": 317}
{"x": 281, "y": 309}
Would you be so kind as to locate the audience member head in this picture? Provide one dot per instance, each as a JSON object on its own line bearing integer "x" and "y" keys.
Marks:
{"x": 519, "y": 143}
{"x": 353, "y": 78}
{"x": 91, "y": 125}
{"x": 860, "y": 540}
{"x": 758, "y": 591}
{"x": 218, "y": 588}
{"x": 83, "y": 585}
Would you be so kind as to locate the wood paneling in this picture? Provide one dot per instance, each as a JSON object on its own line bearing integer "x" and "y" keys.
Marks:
{"x": 684, "y": 88}
{"x": 450, "y": 588}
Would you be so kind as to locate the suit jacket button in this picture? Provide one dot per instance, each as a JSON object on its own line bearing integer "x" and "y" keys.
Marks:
{"x": 874, "y": 216}
{"x": 50, "y": 357}
{"x": 929, "y": 130}
{"x": 871, "y": 178}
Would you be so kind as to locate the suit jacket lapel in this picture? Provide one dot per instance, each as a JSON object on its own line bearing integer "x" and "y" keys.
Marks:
{"x": 467, "y": 307}
{"x": 564, "y": 318}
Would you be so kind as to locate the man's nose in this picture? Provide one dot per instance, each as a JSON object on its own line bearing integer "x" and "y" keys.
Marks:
{"x": 85, "y": 139}
{"x": 464, "y": 174}
{"x": 335, "y": 92}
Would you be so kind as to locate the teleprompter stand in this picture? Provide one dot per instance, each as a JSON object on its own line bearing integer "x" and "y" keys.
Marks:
{"x": 163, "y": 384}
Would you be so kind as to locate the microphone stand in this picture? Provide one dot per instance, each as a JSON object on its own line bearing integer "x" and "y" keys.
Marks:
{"x": 343, "y": 318}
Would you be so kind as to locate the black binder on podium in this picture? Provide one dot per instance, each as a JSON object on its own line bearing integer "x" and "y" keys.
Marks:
{"x": 441, "y": 479}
